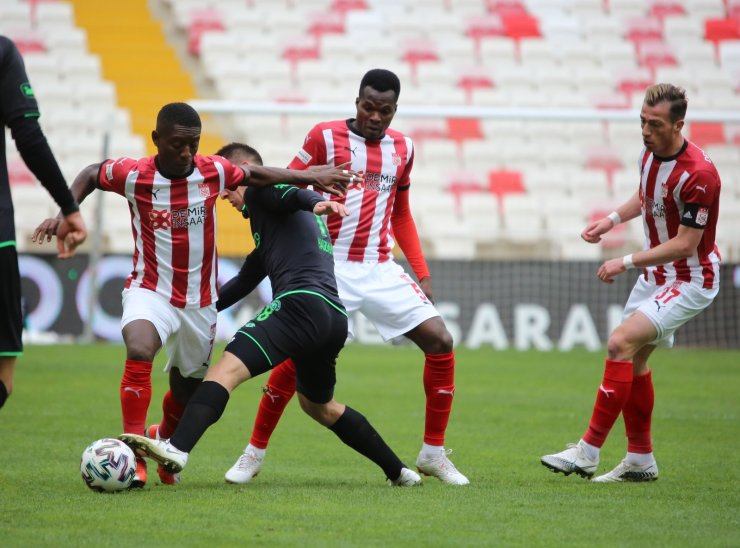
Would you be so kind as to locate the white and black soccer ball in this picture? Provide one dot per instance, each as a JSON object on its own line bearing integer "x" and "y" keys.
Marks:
{"x": 108, "y": 465}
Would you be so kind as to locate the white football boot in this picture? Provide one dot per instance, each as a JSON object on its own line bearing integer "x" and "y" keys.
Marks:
{"x": 408, "y": 478}
{"x": 172, "y": 459}
{"x": 440, "y": 466}
{"x": 573, "y": 459}
{"x": 627, "y": 471}
{"x": 245, "y": 468}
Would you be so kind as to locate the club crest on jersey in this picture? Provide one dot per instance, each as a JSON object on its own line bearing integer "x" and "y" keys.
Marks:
{"x": 160, "y": 219}
{"x": 397, "y": 161}
{"x": 702, "y": 216}
{"x": 204, "y": 190}
{"x": 664, "y": 191}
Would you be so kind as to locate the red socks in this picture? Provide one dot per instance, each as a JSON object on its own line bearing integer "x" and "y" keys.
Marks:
{"x": 280, "y": 388}
{"x": 171, "y": 413}
{"x": 136, "y": 393}
{"x": 638, "y": 413}
{"x": 439, "y": 386}
{"x": 610, "y": 399}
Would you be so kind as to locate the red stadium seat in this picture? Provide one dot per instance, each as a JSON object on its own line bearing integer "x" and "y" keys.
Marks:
{"x": 464, "y": 182}
{"x": 661, "y": 9}
{"x": 473, "y": 78}
{"x": 633, "y": 80}
{"x": 603, "y": 158}
{"x": 326, "y": 23}
{"x": 464, "y": 129}
{"x": 480, "y": 27}
{"x": 419, "y": 50}
{"x": 343, "y": 6}
{"x": 19, "y": 174}
{"x": 521, "y": 25}
{"x": 300, "y": 48}
{"x": 718, "y": 30}
{"x": 644, "y": 29}
{"x": 655, "y": 54}
{"x": 502, "y": 182}
{"x": 28, "y": 41}
{"x": 506, "y": 7}
{"x": 707, "y": 133}
{"x": 201, "y": 21}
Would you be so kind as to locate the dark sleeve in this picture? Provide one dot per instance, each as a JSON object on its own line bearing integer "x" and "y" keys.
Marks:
{"x": 250, "y": 275}
{"x": 287, "y": 198}
{"x": 19, "y": 111}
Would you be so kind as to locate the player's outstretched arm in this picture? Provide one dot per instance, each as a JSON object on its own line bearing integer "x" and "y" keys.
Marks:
{"x": 681, "y": 246}
{"x": 626, "y": 212}
{"x": 331, "y": 179}
{"x": 82, "y": 186}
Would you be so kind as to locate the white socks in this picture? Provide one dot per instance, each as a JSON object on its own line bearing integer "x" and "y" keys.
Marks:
{"x": 640, "y": 459}
{"x": 428, "y": 451}
{"x": 260, "y": 453}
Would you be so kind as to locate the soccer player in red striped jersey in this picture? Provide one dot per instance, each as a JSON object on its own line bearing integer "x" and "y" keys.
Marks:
{"x": 169, "y": 297}
{"x": 678, "y": 200}
{"x": 368, "y": 278}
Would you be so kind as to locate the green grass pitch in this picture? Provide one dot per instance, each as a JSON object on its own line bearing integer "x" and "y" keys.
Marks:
{"x": 510, "y": 408}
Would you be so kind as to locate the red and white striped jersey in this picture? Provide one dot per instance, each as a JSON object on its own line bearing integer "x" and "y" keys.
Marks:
{"x": 365, "y": 234}
{"x": 667, "y": 185}
{"x": 173, "y": 222}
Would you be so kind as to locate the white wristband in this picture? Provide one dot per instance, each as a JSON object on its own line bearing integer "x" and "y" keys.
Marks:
{"x": 614, "y": 217}
{"x": 627, "y": 261}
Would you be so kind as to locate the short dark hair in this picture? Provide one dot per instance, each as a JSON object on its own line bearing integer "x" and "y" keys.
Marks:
{"x": 232, "y": 149}
{"x": 674, "y": 95}
{"x": 381, "y": 80}
{"x": 180, "y": 114}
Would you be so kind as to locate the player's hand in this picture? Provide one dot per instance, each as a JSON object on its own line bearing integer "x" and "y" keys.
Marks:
{"x": 593, "y": 232}
{"x": 46, "y": 230}
{"x": 235, "y": 197}
{"x": 426, "y": 286}
{"x": 328, "y": 207}
{"x": 70, "y": 234}
{"x": 611, "y": 268}
{"x": 334, "y": 179}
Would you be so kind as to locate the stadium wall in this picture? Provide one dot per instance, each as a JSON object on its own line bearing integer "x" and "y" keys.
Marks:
{"x": 540, "y": 305}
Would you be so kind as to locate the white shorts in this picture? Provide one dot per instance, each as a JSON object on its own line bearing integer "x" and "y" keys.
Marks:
{"x": 384, "y": 294}
{"x": 187, "y": 334}
{"x": 668, "y": 306}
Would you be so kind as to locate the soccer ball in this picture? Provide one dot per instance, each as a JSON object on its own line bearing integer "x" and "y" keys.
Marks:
{"x": 108, "y": 465}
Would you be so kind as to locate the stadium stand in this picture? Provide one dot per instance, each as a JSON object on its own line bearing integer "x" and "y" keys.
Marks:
{"x": 500, "y": 53}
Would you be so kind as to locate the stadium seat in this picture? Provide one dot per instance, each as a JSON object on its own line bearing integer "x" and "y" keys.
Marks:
{"x": 415, "y": 51}
{"x": 629, "y": 81}
{"x": 18, "y": 172}
{"x": 502, "y": 182}
{"x": 706, "y": 133}
{"x": 655, "y": 54}
{"x": 200, "y": 21}
{"x": 473, "y": 78}
{"x": 326, "y": 23}
{"x": 644, "y": 29}
{"x": 605, "y": 159}
{"x": 661, "y": 9}
{"x": 464, "y": 183}
{"x": 28, "y": 41}
{"x": 480, "y": 28}
{"x": 719, "y": 30}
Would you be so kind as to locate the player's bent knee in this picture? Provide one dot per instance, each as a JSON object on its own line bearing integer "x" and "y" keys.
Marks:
{"x": 229, "y": 372}
{"x": 325, "y": 414}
